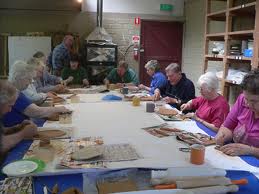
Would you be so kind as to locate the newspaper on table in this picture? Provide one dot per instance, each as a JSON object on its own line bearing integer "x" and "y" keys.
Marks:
{"x": 111, "y": 153}
{"x": 16, "y": 185}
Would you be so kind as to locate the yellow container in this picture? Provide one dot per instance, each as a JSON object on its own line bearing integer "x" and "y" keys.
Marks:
{"x": 136, "y": 101}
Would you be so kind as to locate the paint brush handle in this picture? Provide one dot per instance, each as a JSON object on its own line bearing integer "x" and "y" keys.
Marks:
{"x": 240, "y": 182}
{"x": 170, "y": 186}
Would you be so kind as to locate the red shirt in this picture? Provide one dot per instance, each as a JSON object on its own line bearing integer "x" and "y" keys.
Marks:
{"x": 212, "y": 111}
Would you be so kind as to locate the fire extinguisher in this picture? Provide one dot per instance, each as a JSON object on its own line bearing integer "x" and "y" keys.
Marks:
{"x": 135, "y": 52}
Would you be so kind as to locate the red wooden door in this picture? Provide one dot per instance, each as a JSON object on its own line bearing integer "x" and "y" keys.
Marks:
{"x": 160, "y": 40}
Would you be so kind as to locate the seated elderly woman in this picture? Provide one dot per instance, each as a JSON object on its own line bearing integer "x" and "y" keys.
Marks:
{"x": 20, "y": 75}
{"x": 122, "y": 75}
{"x": 242, "y": 123}
{"x": 30, "y": 92}
{"x": 211, "y": 108}
{"x": 12, "y": 136}
{"x": 158, "y": 78}
{"x": 45, "y": 82}
{"x": 75, "y": 74}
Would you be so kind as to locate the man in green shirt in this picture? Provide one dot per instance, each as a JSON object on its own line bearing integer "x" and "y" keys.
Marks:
{"x": 122, "y": 75}
{"x": 75, "y": 74}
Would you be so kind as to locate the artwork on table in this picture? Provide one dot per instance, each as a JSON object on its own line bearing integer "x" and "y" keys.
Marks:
{"x": 16, "y": 185}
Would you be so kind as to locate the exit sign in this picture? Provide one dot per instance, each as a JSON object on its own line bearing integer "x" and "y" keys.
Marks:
{"x": 166, "y": 7}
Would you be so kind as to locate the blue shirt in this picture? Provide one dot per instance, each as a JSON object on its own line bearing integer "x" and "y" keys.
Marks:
{"x": 47, "y": 83}
{"x": 60, "y": 57}
{"x": 16, "y": 115}
{"x": 158, "y": 81}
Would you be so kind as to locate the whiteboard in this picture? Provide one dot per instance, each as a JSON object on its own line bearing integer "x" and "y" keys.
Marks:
{"x": 23, "y": 47}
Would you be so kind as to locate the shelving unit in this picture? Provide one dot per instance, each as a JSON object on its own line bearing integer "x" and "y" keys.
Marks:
{"x": 246, "y": 10}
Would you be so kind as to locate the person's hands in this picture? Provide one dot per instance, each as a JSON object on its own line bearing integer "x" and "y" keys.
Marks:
{"x": 236, "y": 149}
{"x": 85, "y": 82}
{"x": 51, "y": 95}
{"x": 62, "y": 109}
{"x": 190, "y": 115}
{"x": 220, "y": 138}
{"x": 23, "y": 124}
{"x": 141, "y": 87}
{"x": 184, "y": 107}
{"x": 170, "y": 100}
{"x": 156, "y": 95}
{"x": 29, "y": 131}
{"x": 69, "y": 79}
{"x": 120, "y": 85}
{"x": 59, "y": 88}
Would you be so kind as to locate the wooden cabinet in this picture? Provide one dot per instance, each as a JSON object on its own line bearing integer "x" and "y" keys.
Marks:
{"x": 240, "y": 20}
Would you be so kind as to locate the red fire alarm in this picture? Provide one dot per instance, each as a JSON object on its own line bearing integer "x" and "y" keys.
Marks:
{"x": 137, "y": 20}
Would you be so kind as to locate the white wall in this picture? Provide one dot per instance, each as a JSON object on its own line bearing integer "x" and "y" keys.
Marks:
{"x": 194, "y": 39}
{"x": 136, "y": 6}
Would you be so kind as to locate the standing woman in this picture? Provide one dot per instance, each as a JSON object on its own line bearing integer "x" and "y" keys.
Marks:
{"x": 158, "y": 78}
{"x": 242, "y": 123}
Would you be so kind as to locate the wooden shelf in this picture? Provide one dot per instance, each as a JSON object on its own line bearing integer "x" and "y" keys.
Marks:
{"x": 227, "y": 81}
{"x": 241, "y": 35}
{"x": 234, "y": 15}
{"x": 246, "y": 9}
{"x": 214, "y": 57}
{"x": 239, "y": 58}
{"x": 216, "y": 36}
{"x": 230, "y": 82}
{"x": 217, "y": 16}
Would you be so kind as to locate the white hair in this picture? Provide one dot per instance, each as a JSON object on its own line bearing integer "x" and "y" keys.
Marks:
{"x": 209, "y": 80}
{"x": 20, "y": 70}
{"x": 7, "y": 92}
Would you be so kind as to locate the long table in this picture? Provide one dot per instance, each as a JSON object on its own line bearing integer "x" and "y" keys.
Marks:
{"x": 120, "y": 122}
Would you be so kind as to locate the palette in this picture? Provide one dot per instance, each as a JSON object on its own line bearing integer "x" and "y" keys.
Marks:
{"x": 163, "y": 131}
{"x": 167, "y": 112}
{"x": 16, "y": 185}
{"x": 195, "y": 138}
{"x": 54, "y": 133}
{"x": 111, "y": 153}
{"x": 56, "y": 148}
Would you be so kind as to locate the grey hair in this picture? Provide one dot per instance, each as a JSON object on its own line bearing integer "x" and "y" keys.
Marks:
{"x": 35, "y": 63}
{"x": 209, "y": 80}
{"x": 7, "y": 92}
{"x": 173, "y": 67}
{"x": 20, "y": 70}
{"x": 152, "y": 64}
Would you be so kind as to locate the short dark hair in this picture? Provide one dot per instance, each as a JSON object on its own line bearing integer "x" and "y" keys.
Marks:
{"x": 250, "y": 82}
{"x": 74, "y": 57}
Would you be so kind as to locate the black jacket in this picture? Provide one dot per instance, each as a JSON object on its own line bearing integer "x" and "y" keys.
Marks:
{"x": 184, "y": 90}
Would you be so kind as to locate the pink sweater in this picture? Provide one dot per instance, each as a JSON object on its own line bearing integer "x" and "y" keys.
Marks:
{"x": 242, "y": 122}
{"x": 212, "y": 111}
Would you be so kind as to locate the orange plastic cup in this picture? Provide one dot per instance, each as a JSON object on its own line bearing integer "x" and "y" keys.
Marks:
{"x": 197, "y": 154}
